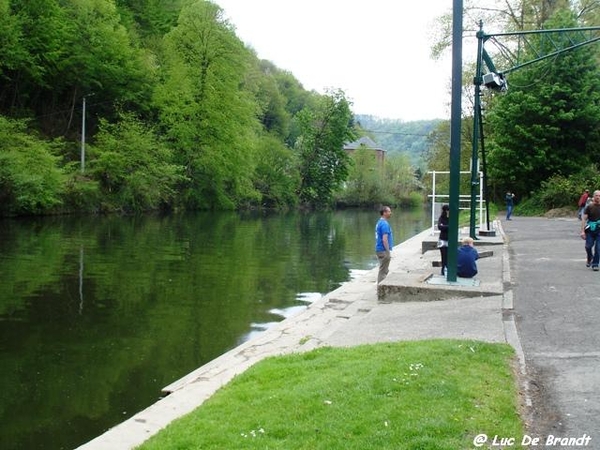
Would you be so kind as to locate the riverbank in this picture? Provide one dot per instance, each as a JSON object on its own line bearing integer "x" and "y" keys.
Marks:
{"x": 405, "y": 306}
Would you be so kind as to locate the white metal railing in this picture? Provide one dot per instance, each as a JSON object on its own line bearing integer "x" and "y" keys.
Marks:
{"x": 436, "y": 206}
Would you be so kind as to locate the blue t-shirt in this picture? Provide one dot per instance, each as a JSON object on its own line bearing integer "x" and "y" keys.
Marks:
{"x": 465, "y": 262}
{"x": 383, "y": 227}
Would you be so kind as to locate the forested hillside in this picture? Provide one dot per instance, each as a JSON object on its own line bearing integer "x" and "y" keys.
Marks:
{"x": 397, "y": 136}
{"x": 179, "y": 113}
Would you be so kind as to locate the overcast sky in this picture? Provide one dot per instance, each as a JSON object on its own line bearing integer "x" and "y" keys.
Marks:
{"x": 376, "y": 51}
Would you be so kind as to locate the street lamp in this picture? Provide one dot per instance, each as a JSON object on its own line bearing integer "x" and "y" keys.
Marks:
{"x": 495, "y": 81}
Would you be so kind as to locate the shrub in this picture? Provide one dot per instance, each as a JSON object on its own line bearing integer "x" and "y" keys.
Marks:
{"x": 31, "y": 181}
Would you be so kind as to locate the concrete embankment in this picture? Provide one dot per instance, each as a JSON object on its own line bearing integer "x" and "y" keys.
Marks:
{"x": 411, "y": 303}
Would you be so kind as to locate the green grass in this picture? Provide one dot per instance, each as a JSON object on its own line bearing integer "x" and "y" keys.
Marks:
{"x": 436, "y": 394}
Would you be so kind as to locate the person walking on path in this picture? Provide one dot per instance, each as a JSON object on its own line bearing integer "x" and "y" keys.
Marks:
{"x": 510, "y": 201}
{"x": 384, "y": 242}
{"x": 582, "y": 203}
{"x": 466, "y": 266}
{"x": 443, "y": 240}
{"x": 590, "y": 231}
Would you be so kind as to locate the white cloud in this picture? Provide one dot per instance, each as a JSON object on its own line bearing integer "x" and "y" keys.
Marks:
{"x": 376, "y": 51}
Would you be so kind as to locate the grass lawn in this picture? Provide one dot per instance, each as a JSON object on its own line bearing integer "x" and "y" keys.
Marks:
{"x": 437, "y": 394}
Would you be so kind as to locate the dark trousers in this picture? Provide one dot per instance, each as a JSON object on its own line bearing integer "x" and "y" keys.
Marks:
{"x": 592, "y": 247}
{"x": 444, "y": 255}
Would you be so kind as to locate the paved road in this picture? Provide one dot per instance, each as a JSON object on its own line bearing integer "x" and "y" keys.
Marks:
{"x": 557, "y": 311}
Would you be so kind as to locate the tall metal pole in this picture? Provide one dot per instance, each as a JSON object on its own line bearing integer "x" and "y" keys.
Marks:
{"x": 476, "y": 118}
{"x": 83, "y": 137}
{"x": 455, "y": 132}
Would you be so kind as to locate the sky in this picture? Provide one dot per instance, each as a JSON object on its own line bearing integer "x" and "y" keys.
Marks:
{"x": 376, "y": 51}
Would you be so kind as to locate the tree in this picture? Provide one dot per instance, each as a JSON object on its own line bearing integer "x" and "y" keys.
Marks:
{"x": 209, "y": 118}
{"x": 400, "y": 177}
{"x": 505, "y": 15}
{"x": 364, "y": 184}
{"x": 438, "y": 156}
{"x": 548, "y": 122}
{"x": 323, "y": 161}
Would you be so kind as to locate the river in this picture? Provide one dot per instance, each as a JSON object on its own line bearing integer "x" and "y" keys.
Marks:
{"x": 98, "y": 314}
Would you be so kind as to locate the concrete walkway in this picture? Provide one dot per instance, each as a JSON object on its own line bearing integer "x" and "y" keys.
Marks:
{"x": 412, "y": 303}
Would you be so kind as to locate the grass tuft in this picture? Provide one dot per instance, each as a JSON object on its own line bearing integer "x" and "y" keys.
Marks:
{"x": 436, "y": 394}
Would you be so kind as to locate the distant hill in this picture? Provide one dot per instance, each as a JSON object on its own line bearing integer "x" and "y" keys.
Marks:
{"x": 397, "y": 136}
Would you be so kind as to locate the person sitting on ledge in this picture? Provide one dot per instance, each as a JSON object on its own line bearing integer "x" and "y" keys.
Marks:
{"x": 466, "y": 267}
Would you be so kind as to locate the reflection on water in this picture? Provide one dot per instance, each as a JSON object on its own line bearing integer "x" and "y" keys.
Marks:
{"x": 357, "y": 273}
{"x": 98, "y": 314}
{"x": 305, "y": 298}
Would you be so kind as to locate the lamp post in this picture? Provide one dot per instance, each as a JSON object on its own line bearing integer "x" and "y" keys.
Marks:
{"x": 476, "y": 125}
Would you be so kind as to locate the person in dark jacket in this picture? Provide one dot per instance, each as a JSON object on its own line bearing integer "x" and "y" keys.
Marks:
{"x": 590, "y": 232}
{"x": 466, "y": 266}
{"x": 443, "y": 239}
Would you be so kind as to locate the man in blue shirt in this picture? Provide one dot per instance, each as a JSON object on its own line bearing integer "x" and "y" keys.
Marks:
{"x": 466, "y": 267}
{"x": 384, "y": 242}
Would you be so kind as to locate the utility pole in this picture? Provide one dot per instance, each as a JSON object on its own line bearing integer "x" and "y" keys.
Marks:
{"x": 83, "y": 136}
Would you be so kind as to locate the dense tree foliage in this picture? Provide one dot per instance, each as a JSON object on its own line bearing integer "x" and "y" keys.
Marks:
{"x": 205, "y": 112}
{"x": 53, "y": 53}
{"x": 547, "y": 124}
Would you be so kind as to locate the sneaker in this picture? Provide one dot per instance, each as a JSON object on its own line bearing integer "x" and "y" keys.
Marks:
{"x": 588, "y": 264}
{"x": 595, "y": 268}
